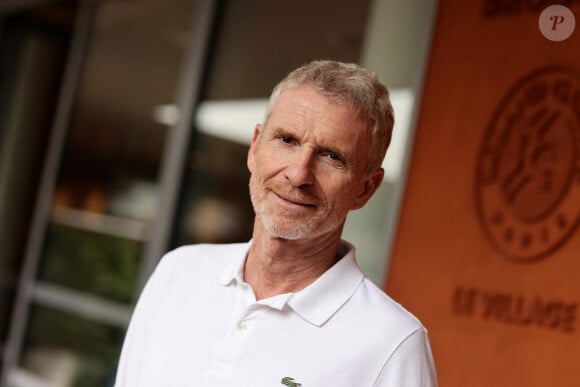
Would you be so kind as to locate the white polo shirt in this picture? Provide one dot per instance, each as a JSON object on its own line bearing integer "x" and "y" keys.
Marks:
{"x": 197, "y": 323}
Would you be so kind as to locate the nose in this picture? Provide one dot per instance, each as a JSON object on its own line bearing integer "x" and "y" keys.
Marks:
{"x": 299, "y": 171}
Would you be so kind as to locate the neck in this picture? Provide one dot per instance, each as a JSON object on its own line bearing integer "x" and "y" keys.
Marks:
{"x": 276, "y": 266}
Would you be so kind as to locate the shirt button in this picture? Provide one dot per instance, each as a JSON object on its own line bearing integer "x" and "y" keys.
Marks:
{"x": 241, "y": 325}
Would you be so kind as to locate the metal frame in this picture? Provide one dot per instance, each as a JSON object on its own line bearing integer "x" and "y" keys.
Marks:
{"x": 171, "y": 174}
{"x": 174, "y": 159}
{"x": 82, "y": 304}
{"x": 73, "y": 71}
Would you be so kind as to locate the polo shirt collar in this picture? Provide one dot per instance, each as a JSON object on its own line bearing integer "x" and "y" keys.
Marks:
{"x": 320, "y": 300}
{"x": 234, "y": 270}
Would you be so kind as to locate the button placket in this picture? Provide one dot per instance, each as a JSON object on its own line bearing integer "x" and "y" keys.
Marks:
{"x": 230, "y": 349}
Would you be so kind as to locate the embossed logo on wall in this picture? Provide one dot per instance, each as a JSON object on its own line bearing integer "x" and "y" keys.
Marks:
{"x": 527, "y": 185}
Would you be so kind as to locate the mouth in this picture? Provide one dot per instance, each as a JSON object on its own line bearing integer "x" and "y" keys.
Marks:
{"x": 294, "y": 201}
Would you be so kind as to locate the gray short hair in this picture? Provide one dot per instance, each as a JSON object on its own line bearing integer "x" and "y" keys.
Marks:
{"x": 352, "y": 84}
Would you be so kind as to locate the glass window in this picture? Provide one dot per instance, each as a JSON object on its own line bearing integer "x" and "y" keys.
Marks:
{"x": 105, "y": 194}
{"x": 34, "y": 42}
{"x": 92, "y": 262}
{"x": 64, "y": 349}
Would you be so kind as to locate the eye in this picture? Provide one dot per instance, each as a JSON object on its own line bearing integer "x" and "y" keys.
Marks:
{"x": 287, "y": 139}
{"x": 334, "y": 157}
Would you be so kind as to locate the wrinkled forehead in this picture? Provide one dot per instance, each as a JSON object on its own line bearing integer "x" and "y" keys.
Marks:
{"x": 305, "y": 110}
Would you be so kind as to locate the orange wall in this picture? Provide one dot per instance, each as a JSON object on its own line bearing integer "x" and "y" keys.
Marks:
{"x": 487, "y": 251}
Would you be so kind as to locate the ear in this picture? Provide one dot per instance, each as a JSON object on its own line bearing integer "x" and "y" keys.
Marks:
{"x": 369, "y": 186}
{"x": 251, "y": 161}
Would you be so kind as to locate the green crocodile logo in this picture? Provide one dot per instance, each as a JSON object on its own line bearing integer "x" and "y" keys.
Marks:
{"x": 289, "y": 382}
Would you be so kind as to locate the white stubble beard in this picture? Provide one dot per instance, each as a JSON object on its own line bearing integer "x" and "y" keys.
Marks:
{"x": 281, "y": 223}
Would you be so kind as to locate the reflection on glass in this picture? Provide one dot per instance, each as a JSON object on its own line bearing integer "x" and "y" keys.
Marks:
{"x": 115, "y": 143}
{"x": 90, "y": 262}
{"x": 33, "y": 47}
{"x": 218, "y": 208}
{"x": 105, "y": 195}
{"x": 70, "y": 351}
{"x": 106, "y": 192}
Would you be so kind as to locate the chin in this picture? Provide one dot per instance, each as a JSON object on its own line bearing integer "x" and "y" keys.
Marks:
{"x": 290, "y": 230}
{"x": 286, "y": 233}
{"x": 296, "y": 230}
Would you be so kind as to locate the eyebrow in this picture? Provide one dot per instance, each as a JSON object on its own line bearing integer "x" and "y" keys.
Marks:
{"x": 278, "y": 131}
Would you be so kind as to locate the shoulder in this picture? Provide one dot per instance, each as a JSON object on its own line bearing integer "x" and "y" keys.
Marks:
{"x": 202, "y": 252}
{"x": 409, "y": 359}
{"x": 383, "y": 311}
{"x": 200, "y": 259}
{"x": 196, "y": 254}
{"x": 388, "y": 335}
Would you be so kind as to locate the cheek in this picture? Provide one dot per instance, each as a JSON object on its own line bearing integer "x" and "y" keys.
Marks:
{"x": 267, "y": 165}
{"x": 339, "y": 191}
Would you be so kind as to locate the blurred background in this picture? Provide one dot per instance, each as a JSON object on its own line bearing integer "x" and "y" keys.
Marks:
{"x": 124, "y": 127}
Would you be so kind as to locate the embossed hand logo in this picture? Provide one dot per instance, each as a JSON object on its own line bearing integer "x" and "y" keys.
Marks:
{"x": 528, "y": 177}
{"x": 289, "y": 382}
{"x": 536, "y": 158}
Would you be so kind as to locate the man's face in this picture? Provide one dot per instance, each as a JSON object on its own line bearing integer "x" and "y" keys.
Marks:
{"x": 308, "y": 165}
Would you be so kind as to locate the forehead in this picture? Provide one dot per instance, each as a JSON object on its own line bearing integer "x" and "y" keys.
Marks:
{"x": 304, "y": 108}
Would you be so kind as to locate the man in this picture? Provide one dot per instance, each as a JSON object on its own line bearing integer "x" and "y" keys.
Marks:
{"x": 291, "y": 307}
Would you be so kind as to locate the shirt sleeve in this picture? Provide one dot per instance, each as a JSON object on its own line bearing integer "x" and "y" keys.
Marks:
{"x": 133, "y": 352}
{"x": 411, "y": 365}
